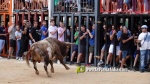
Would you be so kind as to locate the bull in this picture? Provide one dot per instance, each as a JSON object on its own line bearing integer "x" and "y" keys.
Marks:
{"x": 47, "y": 50}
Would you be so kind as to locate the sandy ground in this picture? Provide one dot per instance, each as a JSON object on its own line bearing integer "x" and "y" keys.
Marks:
{"x": 17, "y": 72}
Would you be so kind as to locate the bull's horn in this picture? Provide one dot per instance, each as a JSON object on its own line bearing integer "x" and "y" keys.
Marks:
{"x": 70, "y": 43}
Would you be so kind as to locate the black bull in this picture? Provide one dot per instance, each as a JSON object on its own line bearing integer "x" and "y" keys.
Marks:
{"x": 48, "y": 50}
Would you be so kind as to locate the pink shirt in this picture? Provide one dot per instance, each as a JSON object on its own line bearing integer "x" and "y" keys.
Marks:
{"x": 61, "y": 38}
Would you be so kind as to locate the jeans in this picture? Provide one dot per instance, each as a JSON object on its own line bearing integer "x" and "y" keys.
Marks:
{"x": 2, "y": 43}
{"x": 120, "y": 2}
{"x": 24, "y": 46}
{"x": 146, "y": 5}
{"x": 18, "y": 47}
{"x": 124, "y": 54}
{"x": 79, "y": 5}
{"x": 134, "y": 5}
{"x": 143, "y": 59}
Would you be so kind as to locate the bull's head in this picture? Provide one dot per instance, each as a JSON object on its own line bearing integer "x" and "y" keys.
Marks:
{"x": 69, "y": 45}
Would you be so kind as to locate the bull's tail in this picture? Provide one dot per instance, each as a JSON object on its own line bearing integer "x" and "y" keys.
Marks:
{"x": 27, "y": 57}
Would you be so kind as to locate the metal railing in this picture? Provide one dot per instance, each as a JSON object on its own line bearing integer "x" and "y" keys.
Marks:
{"x": 71, "y": 6}
{"x": 30, "y": 5}
{"x": 119, "y": 6}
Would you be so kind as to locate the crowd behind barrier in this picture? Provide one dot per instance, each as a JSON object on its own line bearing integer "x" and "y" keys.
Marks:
{"x": 120, "y": 39}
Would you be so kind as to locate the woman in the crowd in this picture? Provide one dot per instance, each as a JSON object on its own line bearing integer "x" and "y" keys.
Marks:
{"x": 18, "y": 36}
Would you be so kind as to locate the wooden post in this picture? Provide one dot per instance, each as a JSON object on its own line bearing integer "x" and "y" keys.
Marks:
{"x": 42, "y": 17}
{"x": 29, "y": 15}
{"x": 17, "y": 15}
{"x": 22, "y": 17}
{"x": 10, "y": 12}
{"x": 35, "y": 16}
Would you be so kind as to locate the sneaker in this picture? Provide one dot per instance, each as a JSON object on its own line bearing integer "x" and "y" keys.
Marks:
{"x": 142, "y": 71}
{"x": 100, "y": 62}
{"x": 8, "y": 57}
{"x": 17, "y": 58}
{"x": 88, "y": 65}
{"x": 78, "y": 64}
{"x": 134, "y": 68}
{"x": 1, "y": 57}
{"x": 71, "y": 62}
{"x": 21, "y": 59}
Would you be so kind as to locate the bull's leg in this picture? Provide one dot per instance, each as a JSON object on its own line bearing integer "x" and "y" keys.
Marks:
{"x": 63, "y": 63}
{"x": 52, "y": 68}
{"x": 45, "y": 67}
{"x": 46, "y": 62}
{"x": 35, "y": 67}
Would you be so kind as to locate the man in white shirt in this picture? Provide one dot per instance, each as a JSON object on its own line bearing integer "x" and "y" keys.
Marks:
{"x": 61, "y": 31}
{"x": 52, "y": 30}
{"x": 143, "y": 42}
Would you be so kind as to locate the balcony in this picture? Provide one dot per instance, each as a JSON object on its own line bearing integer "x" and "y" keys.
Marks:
{"x": 74, "y": 6}
{"x": 131, "y": 7}
{"x": 30, "y": 5}
{"x": 4, "y": 5}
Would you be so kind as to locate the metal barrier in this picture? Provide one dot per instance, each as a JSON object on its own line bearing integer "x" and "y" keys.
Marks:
{"x": 70, "y": 6}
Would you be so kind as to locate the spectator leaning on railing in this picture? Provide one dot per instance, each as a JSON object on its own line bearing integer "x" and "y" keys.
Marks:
{"x": 75, "y": 47}
{"x": 91, "y": 43}
{"x": 61, "y": 32}
{"x": 44, "y": 31}
{"x": 52, "y": 30}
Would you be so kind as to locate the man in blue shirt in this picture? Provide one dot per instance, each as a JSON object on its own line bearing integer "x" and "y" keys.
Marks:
{"x": 91, "y": 43}
{"x": 44, "y": 31}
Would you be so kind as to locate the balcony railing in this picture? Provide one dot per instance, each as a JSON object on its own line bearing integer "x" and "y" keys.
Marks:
{"x": 4, "y": 5}
{"x": 31, "y": 5}
{"x": 70, "y": 6}
{"x": 119, "y": 6}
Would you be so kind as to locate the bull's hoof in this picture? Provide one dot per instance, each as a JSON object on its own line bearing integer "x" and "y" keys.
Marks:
{"x": 37, "y": 73}
{"x": 49, "y": 75}
{"x": 52, "y": 70}
{"x": 67, "y": 68}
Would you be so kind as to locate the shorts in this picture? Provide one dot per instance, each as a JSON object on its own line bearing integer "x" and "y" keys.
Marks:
{"x": 125, "y": 53}
{"x": 105, "y": 47}
{"x": 91, "y": 49}
{"x": 75, "y": 48}
{"x": 12, "y": 43}
{"x": 82, "y": 48}
{"x": 111, "y": 49}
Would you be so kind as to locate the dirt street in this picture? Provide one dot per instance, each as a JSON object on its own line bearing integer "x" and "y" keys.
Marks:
{"x": 17, "y": 72}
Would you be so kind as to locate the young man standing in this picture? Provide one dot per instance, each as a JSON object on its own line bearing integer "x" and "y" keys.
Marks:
{"x": 12, "y": 39}
{"x": 125, "y": 45}
{"x": 105, "y": 46}
{"x": 143, "y": 44}
{"x": 2, "y": 37}
{"x": 44, "y": 31}
{"x": 82, "y": 37}
{"x": 61, "y": 31}
{"x": 33, "y": 33}
{"x": 24, "y": 38}
{"x": 75, "y": 48}
{"x": 91, "y": 42}
{"x": 52, "y": 30}
{"x": 114, "y": 40}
